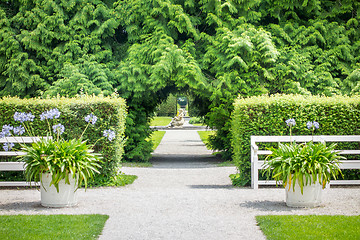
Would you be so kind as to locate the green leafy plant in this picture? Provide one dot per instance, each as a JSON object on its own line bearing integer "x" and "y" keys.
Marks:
{"x": 53, "y": 155}
{"x": 305, "y": 162}
{"x": 156, "y": 138}
{"x": 196, "y": 120}
{"x": 61, "y": 159}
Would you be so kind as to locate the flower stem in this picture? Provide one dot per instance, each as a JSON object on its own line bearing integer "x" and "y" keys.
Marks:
{"x": 84, "y": 130}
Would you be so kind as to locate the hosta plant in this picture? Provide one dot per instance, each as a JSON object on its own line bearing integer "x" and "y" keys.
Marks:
{"x": 305, "y": 162}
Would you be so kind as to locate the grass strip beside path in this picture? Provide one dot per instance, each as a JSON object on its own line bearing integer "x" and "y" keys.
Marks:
{"x": 160, "y": 121}
{"x": 204, "y": 136}
{"x": 310, "y": 227}
{"x": 156, "y": 138}
{"x": 52, "y": 227}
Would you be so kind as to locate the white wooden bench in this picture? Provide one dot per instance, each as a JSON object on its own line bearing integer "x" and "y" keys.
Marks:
{"x": 257, "y": 164}
{"x": 15, "y": 166}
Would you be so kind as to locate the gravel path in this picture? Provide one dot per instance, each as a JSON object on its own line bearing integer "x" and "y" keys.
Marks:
{"x": 184, "y": 196}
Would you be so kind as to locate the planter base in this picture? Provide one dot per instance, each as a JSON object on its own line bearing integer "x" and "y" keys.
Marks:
{"x": 66, "y": 197}
{"x": 311, "y": 196}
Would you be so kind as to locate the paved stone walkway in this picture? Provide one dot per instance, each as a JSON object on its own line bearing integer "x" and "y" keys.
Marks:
{"x": 182, "y": 149}
{"x": 184, "y": 196}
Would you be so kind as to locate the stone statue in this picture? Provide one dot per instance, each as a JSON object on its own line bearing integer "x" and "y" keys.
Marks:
{"x": 179, "y": 120}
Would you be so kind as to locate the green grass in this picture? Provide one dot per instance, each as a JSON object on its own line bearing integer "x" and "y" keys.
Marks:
{"x": 136, "y": 164}
{"x": 310, "y": 227}
{"x": 52, "y": 227}
{"x": 156, "y": 138}
{"x": 204, "y": 135}
{"x": 123, "y": 179}
{"x": 197, "y": 121}
{"x": 226, "y": 164}
{"x": 117, "y": 181}
{"x": 198, "y": 124}
{"x": 160, "y": 121}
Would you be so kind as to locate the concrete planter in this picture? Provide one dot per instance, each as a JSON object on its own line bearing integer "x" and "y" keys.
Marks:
{"x": 66, "y": 197}
{"x": 311, "y": 196}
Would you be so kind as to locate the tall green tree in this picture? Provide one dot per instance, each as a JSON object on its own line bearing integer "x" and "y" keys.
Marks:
{"x": 213, "y": 50}
{"x": 56, "y": 47}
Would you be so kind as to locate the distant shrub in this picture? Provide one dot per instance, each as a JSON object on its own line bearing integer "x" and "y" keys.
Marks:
{"x": 194, "y": 120}
{"x": 167, "y": 108}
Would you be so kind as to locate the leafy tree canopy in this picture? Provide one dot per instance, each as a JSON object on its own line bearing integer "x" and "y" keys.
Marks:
{"x": 214, "y": 50}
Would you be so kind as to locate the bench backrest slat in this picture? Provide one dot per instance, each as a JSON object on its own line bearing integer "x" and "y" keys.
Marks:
{"x": 11, "y": 153}
{"x": 15, "y": 166}
{"x": 307, "y": 138}
{"x": 21, "y": 139}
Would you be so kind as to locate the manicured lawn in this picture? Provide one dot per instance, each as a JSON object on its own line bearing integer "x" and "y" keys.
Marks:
{"x": 52, "y": 227}
{"x": 198, "y": 124}
{"x": 204, "y": 135}
{"x": 156, "y": 138}
{"x": 226, "y": 164}
{"x": 160, "y": 121}
{"x": 310, "y": 227}
{"x": 122, "y": 180}
{"x": 136, "y": 164}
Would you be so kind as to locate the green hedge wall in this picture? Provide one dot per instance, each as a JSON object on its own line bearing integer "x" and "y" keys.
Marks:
{"x": 111, "y": 113}
{"x": 266, "y": 115}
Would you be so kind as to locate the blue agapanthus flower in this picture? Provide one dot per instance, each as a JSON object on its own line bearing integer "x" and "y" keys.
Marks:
{"x": 51, "y": 114}
{"x": 23, "y": 117}
{"x": 91, "y": 118}
{"x": 312, "y": 125}
{"x": 20, "y": 130}
{"x": 6, "y": 130}
{"x": 8, "y": 146}
{"x": 59, "y": 128}
{"x": 290, "y": 122}
{"x": 110, "y": 134}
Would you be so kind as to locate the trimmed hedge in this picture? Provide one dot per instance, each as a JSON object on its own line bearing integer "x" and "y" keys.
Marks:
{"x": 264, "y": 115}
{"x": 111, "y": 113}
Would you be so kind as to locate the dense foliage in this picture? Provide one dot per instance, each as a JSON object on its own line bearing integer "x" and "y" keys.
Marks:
{"x": 267, "y": 115}
{"x": 168, "y": 107}
{"x": 62, "y": 160}
{"x": 213, "y": 50}
{"x": 111, "y": 114}
{"x": 305, "y": 163}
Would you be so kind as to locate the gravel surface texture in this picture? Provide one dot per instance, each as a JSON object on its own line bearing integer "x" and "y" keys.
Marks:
{"x": 184, "y": 196}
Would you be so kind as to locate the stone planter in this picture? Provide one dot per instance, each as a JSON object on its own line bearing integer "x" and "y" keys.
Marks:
{"x": 66, "y": 197}
{"x": 311, "y": 196}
